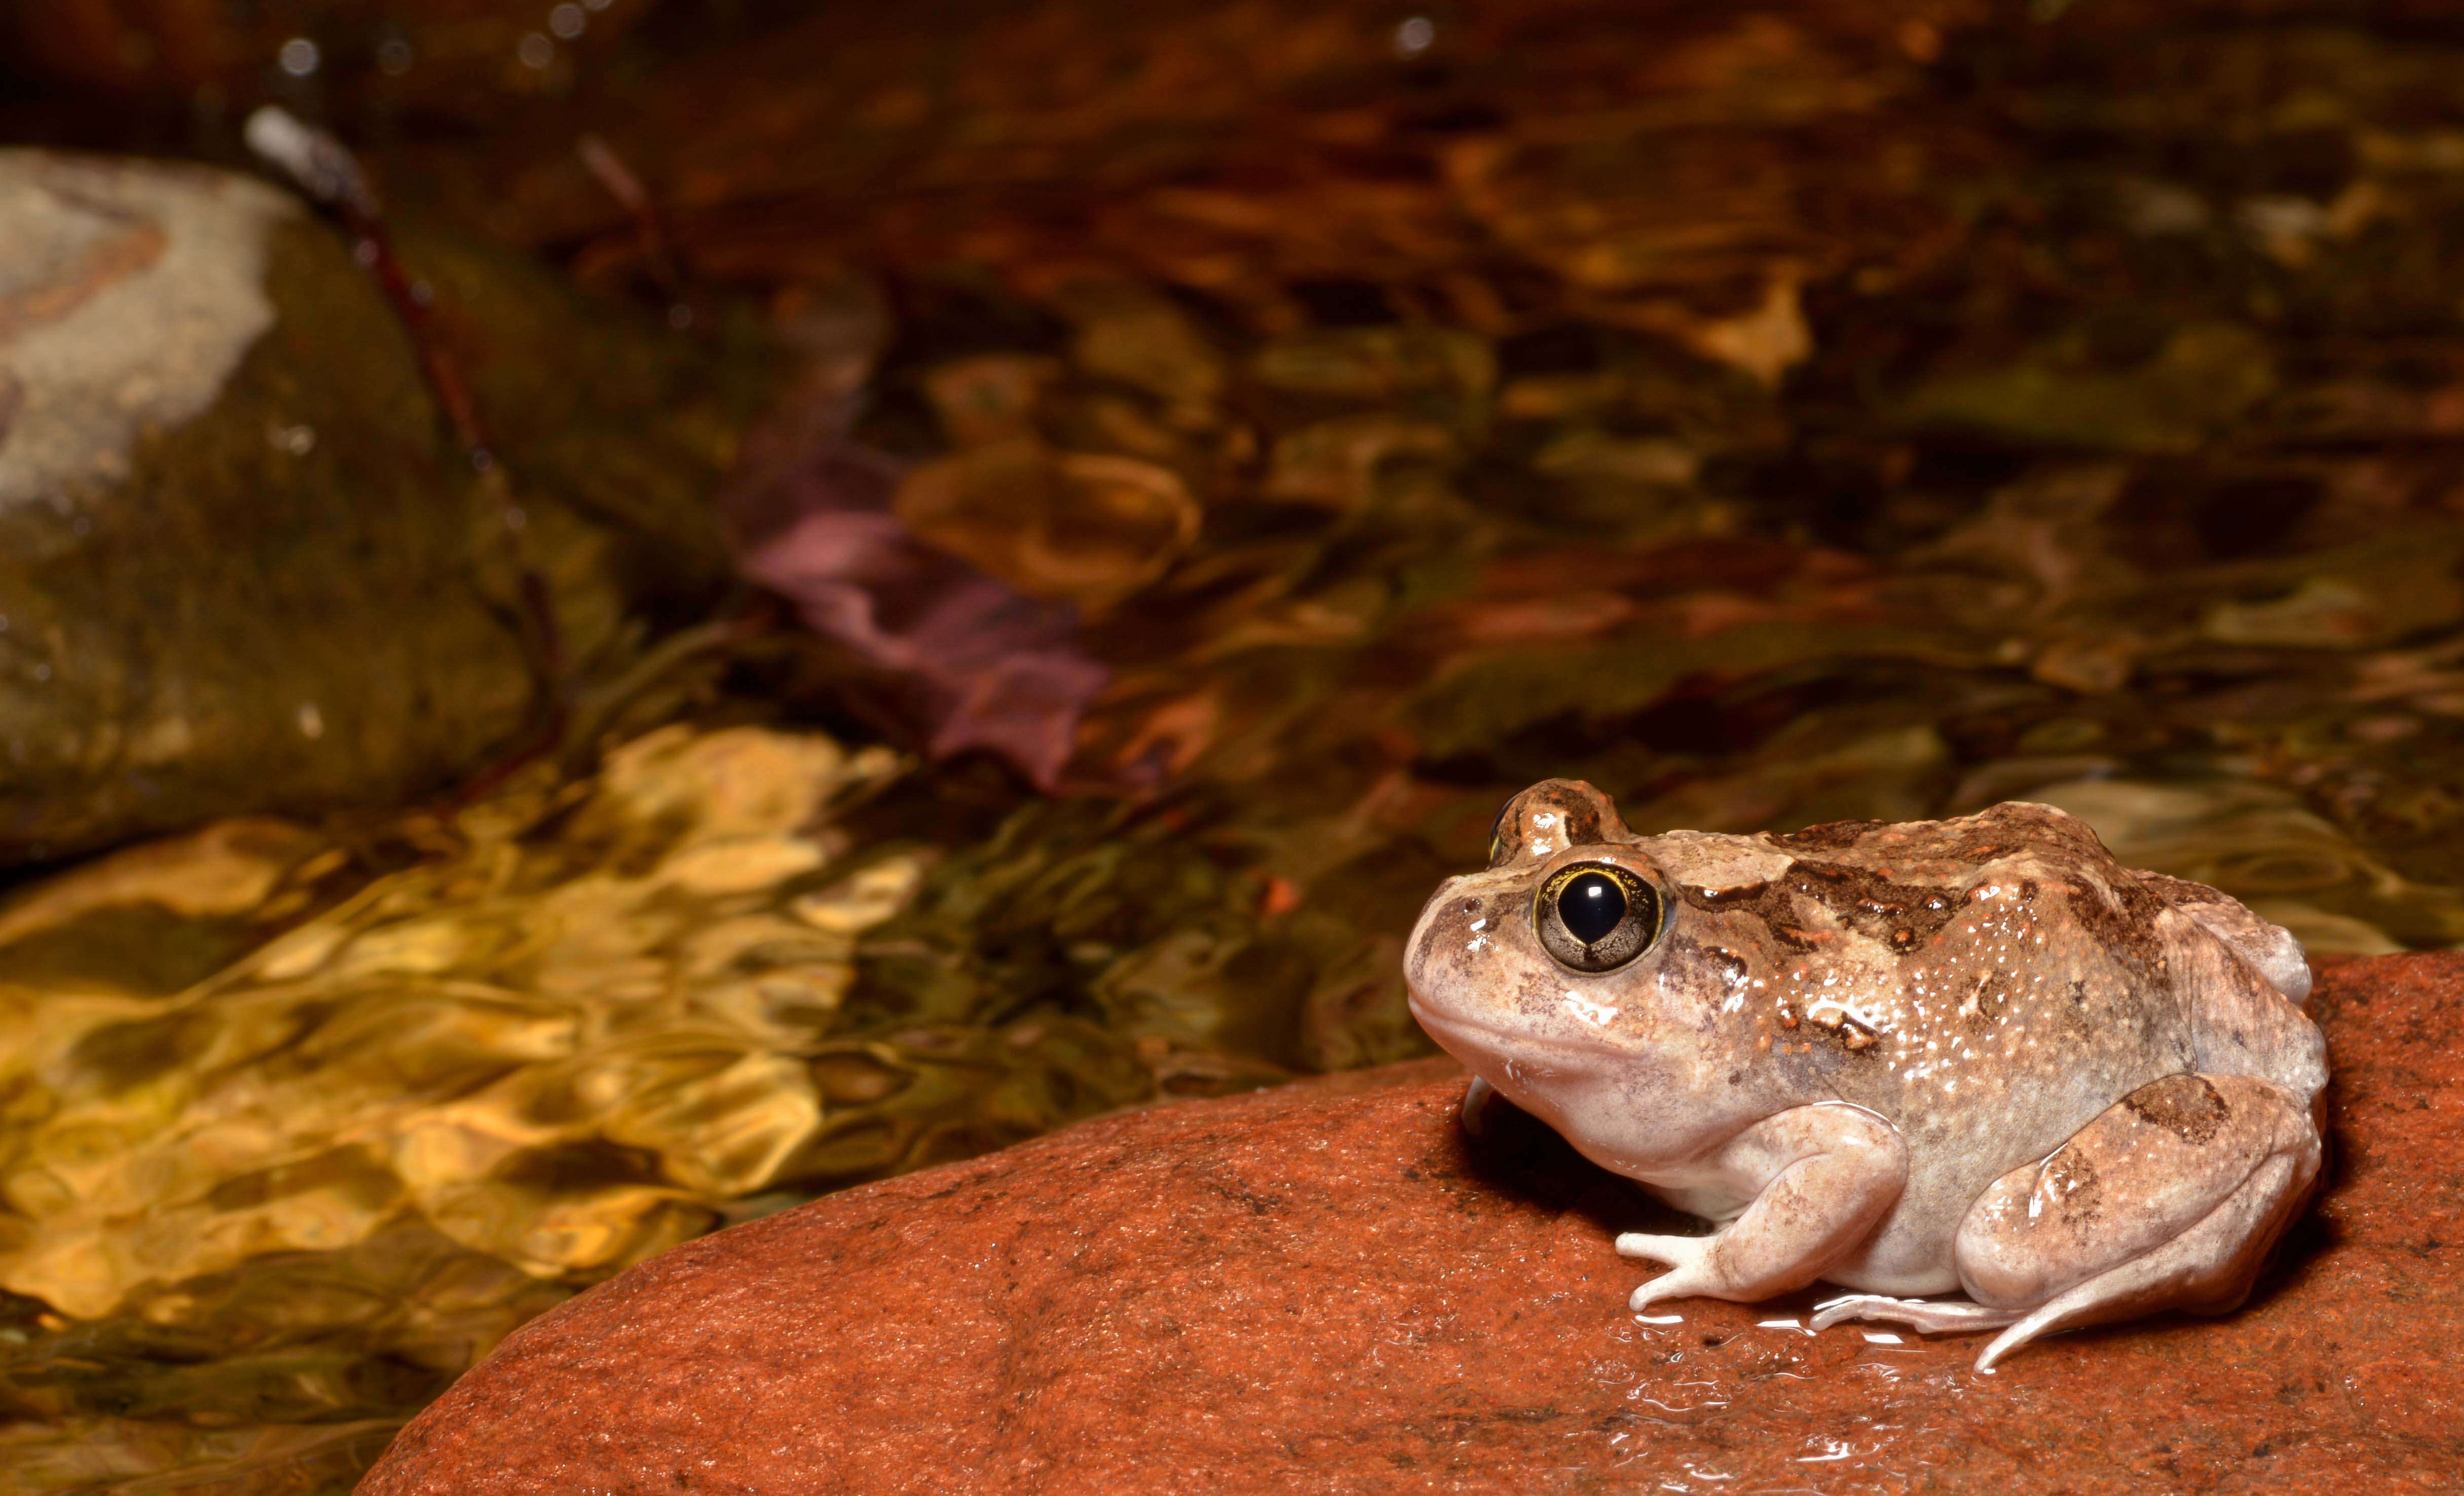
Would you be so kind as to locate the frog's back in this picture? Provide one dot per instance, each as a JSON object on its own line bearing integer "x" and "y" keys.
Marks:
{"x": 1952, "y": 969}
{"x": 1991, "y": 982}
{"x": 2199, "y": 978}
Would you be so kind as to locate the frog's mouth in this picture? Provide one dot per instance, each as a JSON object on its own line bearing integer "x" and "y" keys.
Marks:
{"x": 1511, "y": 1059}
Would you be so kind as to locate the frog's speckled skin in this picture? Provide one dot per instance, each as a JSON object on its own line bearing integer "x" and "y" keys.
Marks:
{"x": 1974, "y": 1054}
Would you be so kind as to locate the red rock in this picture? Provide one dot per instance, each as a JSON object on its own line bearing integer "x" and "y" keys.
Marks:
{"x": 1323, "y": 1288}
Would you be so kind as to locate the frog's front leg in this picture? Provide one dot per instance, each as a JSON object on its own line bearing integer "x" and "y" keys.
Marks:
{"x": 1822, "y": 1178}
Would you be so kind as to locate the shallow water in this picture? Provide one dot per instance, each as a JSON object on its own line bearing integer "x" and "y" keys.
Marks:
{"x": 1772, "y": 420}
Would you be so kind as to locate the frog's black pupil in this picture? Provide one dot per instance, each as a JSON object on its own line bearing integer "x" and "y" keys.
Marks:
{"x": 1592, "y": 906}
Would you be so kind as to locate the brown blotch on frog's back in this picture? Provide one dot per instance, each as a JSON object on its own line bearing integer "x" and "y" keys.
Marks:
{"x": 2125, "y": 928}
{"x": 1873, "y": 905}
{"x": 2004, "y": 831}
{"x": 1740, "y": 896}
{"x": 1844, "y": 1029}
{"x": 1701, "y": 975}
{"x": 2184, "y": 1104}
{"x": 1733, "y": 968}
{"x": 2070, "y": 1181}
{"x": 1900, "y": 916}
{"x": 1830, "y": 836}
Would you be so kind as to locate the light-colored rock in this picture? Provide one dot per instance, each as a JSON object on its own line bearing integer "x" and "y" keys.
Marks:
{"x": 129, "y": 292}
{"x": 243, "y": 565}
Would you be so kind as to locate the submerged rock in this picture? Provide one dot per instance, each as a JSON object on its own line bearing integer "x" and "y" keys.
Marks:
{"x": 1324, "y": 1288}
{"x": 242, "y": 565}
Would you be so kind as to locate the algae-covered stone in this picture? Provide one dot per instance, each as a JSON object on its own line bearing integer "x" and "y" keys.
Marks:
{"x": 242, "y": 564}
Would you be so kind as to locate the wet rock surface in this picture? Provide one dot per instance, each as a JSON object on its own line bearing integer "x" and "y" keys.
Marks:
{"x": 1325, "y": 1288}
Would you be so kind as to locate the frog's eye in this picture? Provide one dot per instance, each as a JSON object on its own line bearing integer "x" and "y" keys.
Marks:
{"x": 1595, "y": 916}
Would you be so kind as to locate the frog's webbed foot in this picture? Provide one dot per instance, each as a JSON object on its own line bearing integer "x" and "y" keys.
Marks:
{"x": 1923, "y": 1317}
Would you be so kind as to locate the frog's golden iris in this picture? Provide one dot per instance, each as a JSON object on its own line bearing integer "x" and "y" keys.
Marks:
{"x": 1595, "y": 916}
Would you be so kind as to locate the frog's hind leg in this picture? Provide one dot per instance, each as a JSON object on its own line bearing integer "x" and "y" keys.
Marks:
{"x": 2170, "y": 1198}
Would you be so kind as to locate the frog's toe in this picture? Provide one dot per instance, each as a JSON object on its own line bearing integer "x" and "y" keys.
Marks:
{"x": 1926, "y": 1319}
{"x": 1689, "y": 1260}
{"x": 1676, "y": 1250}
{"x": 1680, "y": 1283}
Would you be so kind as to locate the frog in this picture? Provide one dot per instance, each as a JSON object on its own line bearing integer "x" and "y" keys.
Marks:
{"x": 1975, "y": 1071}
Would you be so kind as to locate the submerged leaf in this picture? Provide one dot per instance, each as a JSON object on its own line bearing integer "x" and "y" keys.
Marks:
{"x": 985, "y": 666}
{"x": 1080, "y": 527}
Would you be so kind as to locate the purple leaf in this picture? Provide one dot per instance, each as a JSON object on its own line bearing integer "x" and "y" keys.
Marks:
{"x": 988, "y": 666}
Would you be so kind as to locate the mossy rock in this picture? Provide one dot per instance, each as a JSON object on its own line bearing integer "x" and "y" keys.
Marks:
{"x": 244, "y": 565}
